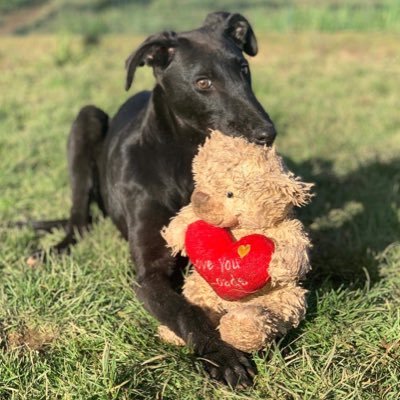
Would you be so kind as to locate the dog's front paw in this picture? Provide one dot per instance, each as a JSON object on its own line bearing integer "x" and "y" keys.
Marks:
{"x": 224, "y": 363}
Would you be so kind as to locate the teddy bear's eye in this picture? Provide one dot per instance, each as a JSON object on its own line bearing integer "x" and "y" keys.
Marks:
{"x": 229, "y": 195}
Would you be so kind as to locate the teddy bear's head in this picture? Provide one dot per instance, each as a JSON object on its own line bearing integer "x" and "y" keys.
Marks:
{"x": 239, "y": 184}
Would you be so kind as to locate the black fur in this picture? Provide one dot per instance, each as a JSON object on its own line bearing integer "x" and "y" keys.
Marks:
{"x": 137, "y": 166}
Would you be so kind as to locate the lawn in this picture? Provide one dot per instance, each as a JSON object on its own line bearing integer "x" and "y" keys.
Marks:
{"x": 97, "y": 17}
{"x": 72, "y": 328}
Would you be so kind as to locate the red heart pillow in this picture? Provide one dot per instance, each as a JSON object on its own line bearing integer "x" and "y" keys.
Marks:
{"x": 234, "y": 269}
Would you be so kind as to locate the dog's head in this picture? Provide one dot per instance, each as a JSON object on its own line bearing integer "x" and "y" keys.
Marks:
{"x": 204, "y": 77}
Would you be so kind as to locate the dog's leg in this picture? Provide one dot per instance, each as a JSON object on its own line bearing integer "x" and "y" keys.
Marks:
{"x": 86, "y": 136}
{"x": 154, "y": 288}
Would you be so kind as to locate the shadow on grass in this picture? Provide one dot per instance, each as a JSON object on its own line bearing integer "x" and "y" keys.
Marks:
{"x": 351, "y": 220}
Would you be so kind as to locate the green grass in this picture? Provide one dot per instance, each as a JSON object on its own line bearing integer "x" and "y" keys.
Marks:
{"x": 96, "y": 17}
{"x": 72, "y": 328}
{"x": 12, "y": 5}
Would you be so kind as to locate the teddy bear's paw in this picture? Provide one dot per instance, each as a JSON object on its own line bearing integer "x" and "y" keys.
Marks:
{"x": 168, "y": 336}
{"x": 248, "y": 328}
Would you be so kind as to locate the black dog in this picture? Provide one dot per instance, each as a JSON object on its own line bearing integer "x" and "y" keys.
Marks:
{"x": 137, "y": 167}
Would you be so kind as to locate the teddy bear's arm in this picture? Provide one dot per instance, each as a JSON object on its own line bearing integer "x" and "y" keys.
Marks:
{"x": 174, "y": 233}
{"x": 290, "y": 261}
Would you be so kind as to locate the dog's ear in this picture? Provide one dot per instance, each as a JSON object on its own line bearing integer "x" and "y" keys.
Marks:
{"x": 236, "y": 27}
{"x": 156, "y": 51}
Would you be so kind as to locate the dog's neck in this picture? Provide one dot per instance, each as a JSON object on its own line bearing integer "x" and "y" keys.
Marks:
{"x": 161, "y": 118}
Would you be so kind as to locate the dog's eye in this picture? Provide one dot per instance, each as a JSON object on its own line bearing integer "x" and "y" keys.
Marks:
{"x": 204, "y": 84}
{"x": 229, "y": 195}
{"x": 245, "y": 69}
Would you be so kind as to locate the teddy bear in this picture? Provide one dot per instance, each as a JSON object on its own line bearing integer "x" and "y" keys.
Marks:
{"x": 248, "y": 249}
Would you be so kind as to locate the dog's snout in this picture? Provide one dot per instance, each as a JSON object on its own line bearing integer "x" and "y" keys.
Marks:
{"x": 265, "y": 137}
{"x": 200, "y": 198}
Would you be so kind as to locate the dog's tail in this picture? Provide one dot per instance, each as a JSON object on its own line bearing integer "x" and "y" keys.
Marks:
{"x": 37, "y": 226}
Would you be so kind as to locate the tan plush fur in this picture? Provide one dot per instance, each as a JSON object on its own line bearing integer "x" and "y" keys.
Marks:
{"x": 264, "y": 193}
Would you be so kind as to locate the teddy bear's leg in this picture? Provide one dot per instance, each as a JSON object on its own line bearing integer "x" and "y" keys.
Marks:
{"x": 249, "y": 327}
{"x": 288, "y": 304}
{"x": 166, "y": 335}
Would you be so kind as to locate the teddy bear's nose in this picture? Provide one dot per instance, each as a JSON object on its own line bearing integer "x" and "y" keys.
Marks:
{"x": 199, "y": 198}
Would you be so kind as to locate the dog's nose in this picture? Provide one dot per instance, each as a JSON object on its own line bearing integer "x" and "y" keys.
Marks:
{"x": 266, "y": 137}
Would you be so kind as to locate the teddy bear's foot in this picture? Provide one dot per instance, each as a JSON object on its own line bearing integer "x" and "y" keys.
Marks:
{"x": 168, "y": 336}
{"x": 249, "y": 328}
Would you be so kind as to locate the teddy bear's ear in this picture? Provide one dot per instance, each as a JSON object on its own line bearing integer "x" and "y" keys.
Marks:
{"x": 298, "y": 191}
{"x": 284, "y": 181}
